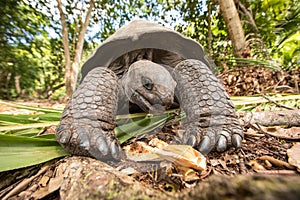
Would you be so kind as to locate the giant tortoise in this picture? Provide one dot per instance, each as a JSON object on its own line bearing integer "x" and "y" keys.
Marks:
{"x": 152, "y": 67}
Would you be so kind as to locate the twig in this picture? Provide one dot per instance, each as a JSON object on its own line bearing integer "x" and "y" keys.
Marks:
{"x": 254, "y": 134}
{"x": 242, "y": 166}
{"x": 206, "y": 174}
{"x": 24, "y": 183}
{"x": 277, "y": 162}
{"x": 277, "y": 172}
{"x": 277, "y": 104}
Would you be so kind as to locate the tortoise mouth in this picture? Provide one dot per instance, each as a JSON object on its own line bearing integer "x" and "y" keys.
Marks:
{"x": 145, "y": 104}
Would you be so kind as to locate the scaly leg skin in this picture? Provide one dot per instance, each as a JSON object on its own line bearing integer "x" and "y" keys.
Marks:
{"x": 211, "y": 122}
{"x": 87, "y": 123}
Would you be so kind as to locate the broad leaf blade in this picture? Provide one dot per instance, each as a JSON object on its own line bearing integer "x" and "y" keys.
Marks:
{"x": 140, "y": 127}
{"x": 46, "y": 110}
{"x": 17, "y": 151}
{"x": 27, "y": 126}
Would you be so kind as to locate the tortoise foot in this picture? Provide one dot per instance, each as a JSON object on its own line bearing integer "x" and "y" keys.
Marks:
{"x": 88, "y": 121}
{"x": 211, "y": 122}
{"x": 215, "y": 137}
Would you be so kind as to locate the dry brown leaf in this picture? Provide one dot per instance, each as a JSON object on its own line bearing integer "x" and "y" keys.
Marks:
{"x": 284, "y": 133}
{"x": 188, "y": 174}
{"x": 142, "y": 157}
{"x": 44, "y": 180}
{"x": 155, "y": 142}
{"x": 294, "y": 155}
{"x": 182, "y": 155}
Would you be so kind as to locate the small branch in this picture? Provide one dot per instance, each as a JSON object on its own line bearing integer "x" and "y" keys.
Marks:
{"x": 64, "y": 33}
{"x": 24, "y": 183}
{"x": 274, "y": 118}
{"x": 248, "y": 14}
{"x": 254, "y": 134}
{"x": 277, "y": 104}
{"x": 278, "y": 163}
{"x": 277, "y": 172}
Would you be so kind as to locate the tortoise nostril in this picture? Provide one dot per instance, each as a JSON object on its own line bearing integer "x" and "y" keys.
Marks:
{"x": 163, "y": 94}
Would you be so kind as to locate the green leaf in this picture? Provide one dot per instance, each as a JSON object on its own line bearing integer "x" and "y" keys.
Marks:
{"x": 28, "y": 126}
{"x": 237, "y": 101}
{"x": 17, "y": 151}
{"x": 140, "y": 127}
{"x": 46, "y": 110}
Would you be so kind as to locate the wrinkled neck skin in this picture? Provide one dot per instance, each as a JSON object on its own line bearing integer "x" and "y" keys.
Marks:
{"x": 148, "y": 85}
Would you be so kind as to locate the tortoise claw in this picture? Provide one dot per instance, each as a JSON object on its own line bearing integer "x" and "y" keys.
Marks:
{"x": 191, "y": 140}
{"x": 115, "y": 150}
{"x": 221, "y": 144}
{"x": 83, "y": 138}
{"x": 237, "y": 140}
{"x": 189, "y": 137}
{"x": 102, "y": 146}
{"x": 205, "y": 145}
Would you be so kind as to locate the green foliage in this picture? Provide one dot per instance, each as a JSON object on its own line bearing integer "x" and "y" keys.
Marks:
{"x": 278, "y": 25}
{"x": 21, "y": 145}
{"x": 19, "y": 151}
{"x": 32, "y": 55}
{"x": 276, "y": 40}
{"x": 259, "y": 103}
{"x": 30, "y": 62}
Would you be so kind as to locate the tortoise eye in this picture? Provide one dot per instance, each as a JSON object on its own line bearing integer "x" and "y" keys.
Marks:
{"x": 147, "y": 83}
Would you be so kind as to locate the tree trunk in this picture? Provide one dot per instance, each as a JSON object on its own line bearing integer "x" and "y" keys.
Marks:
{"x": 209, "y": 31}
{"x": 65, "y": 38}
{"x": 79, "y": 48}
{"x": 72, "y": 67}
{"x": 234, "y": 27}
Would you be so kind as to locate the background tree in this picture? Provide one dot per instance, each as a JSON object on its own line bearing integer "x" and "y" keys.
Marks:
{"x": 278, "y": 25}
{"x": 234, "y": 27}
{"x": 21, "y": 43}
{"x": 72, "y": 65}
{"x": 79, "y": 18}
{"x": 33, "y": 56}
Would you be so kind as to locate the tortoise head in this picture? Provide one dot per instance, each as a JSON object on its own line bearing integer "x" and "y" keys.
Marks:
{"x": 150, "y": 86}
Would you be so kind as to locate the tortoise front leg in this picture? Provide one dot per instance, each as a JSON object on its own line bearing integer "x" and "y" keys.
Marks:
{"x": 88, "y": 121}
{"x": 210, "y": 121}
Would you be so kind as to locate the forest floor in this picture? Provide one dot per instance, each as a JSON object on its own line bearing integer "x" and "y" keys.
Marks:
{"x": 261, "y": 152}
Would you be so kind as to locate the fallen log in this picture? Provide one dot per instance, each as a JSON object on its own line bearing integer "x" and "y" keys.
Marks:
{"x": 287, "y": 118}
